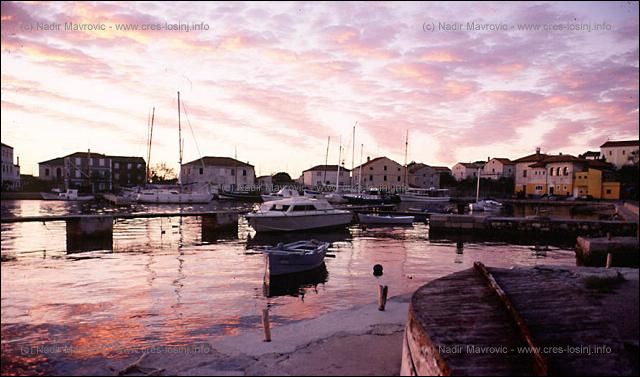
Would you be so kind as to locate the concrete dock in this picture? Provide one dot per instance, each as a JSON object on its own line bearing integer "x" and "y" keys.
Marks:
{"x": 593, "y": 251}
{"x": 526, "y": 228}
{"x": 570, "y": 321}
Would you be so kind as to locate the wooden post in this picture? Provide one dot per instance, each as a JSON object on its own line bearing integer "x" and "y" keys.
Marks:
{"x": 609, "y": 260}
{"x": 265, "y": 324}
{"x": 382, "y": 296}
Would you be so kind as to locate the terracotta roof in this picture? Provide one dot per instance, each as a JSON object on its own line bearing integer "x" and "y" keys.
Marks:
{"x": 471, "y": 165}
{"x": 327, "y": 168}
{"x": 600, "y": 165}
{"x": 531, "y": 158}
{"x": 623, "y": 143}
{"x": 557, "y": 158}
{"x": 219, "y": 161}
{"x": 373, "y": 160}
{"x": 417, "y": 166}
{"x": 54, "y": 161}
{"x": 441, "y": 168}
{"x": 504, "y": 161}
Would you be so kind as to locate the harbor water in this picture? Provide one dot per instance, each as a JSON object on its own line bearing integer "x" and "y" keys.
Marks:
{"x": 165, "y": 283}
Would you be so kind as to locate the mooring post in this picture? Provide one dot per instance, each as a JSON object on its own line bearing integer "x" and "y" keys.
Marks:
{"x": 609, "y": 260}
{"x": 382, "y": 296}
{"x": 266, "y": 325}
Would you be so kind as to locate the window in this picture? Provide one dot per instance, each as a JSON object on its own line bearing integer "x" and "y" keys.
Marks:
{"x": 78, "y": 161}
{"x": 609, "y": 191}
{"x": 385, "y": 168}
{"x": 398, "y": 169}
{"x": 370, "y": 167}
{"x": 385, "y": 178}
{"x": 116, "y": 165}
{"x": 524, "y": 174}
{"x": 201, "y": 171}
{"x": 370, "y": 178}
{"x": 304, "y": 208}
{"x": 46, "y": 172}
{"x": 565, "y": 171}
{"x": 116, "y": 176}
{"x": 102, "y": 163}
{"x": 91, "y": 162}
{"x": 610, "y": 153}
{"x": 244, "y": 172}
{"x": 551, "y": 172}
{"x": 319, "y": 173}
{"x": 623, "y": 152}
{"x": 77, "y": 173}
{"x": 233, "y": 173}
{"x": 398, "y": 178}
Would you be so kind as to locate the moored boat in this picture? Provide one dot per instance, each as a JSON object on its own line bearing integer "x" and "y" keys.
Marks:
{"x": 370, "y": 218}
{"x": 295, "y": 257}
{"x": 431, "y": 195}
{"x": 485, "y": 205}
{"x": 283, "y": 193}
{"x": 299, "y": 213}
{"x": 70, "y": 194}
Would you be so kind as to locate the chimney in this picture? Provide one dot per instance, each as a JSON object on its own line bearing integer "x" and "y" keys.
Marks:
{"x": 538, "y": 152}
{"x": 560, "y": 154}
{"x": 18, "y": 160}
{"x": 368, "y": 158}
{"x": 488, "y": 158}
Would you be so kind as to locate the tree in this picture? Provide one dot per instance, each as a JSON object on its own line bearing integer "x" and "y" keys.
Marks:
{"x": 161, "y": 173}
{"x": 282, "y": 179}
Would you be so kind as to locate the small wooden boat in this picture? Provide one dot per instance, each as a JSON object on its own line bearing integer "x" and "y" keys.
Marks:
{"x": 369, "y": 218}
{"x": 295, "y": 257}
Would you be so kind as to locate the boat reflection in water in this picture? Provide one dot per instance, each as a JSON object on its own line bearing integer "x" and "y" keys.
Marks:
{"x": 272, "y": 239}
{"x": 296, "y": 284}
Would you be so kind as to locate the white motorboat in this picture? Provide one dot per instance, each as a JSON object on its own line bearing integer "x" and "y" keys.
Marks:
{"x": 312, "y": 194}
{"x": 284, "y": 193}
{"x": 295, "y": 257}
{"x": 370, "y": 218}
{"x": 485, "y": 205}
{"x": 164, "y": 196}
{"x": 70, "y": 194}
{"x": 298, "y": 213}
{"x": 431, "y": 195}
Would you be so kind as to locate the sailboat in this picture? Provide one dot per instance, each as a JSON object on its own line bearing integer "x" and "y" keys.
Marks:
{"x": 485, "y": 204}
{"x": 174, "y": 196}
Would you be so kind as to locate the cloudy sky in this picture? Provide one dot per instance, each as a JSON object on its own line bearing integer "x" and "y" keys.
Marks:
{"x": 274, "y": 80}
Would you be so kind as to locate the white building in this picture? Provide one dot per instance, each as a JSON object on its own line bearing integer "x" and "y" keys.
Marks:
{"x": 423, "y": 176}
{"x": 325, "y": 175}
{"x": 465, "y": 170}
{"x": 221, "y": 172}
{"x": 620, "y": 153}
{"x": 381, "y": 172}
{"x": 10, "y": 171}
{"x": 497, "y": 168}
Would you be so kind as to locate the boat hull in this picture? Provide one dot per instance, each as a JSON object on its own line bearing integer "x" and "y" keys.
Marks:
{"x": 159, "y": 198}
{"x": 426, "y": 199}
{"x": 291, "y": 223}
{"x": 392, "y": 220}
{"x": 283, "y": 264}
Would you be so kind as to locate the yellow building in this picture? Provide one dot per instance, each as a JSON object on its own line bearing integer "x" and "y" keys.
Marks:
{"x": 592, "y": 183}
{"x": 564, "y": 175}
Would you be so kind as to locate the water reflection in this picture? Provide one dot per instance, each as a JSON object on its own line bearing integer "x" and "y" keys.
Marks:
{"x": 165, "y": 283}
{"x": 296, "y": 284}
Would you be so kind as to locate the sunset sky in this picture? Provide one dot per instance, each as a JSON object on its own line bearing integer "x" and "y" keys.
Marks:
{"x": 274, "y": 80}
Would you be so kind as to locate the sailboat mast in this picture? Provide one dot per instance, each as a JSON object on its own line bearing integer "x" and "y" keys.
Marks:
{"x": 478, "y": 186}
{"x": 326, "y": 160}
{"x": 353, "y": 153}
{"x": 179, "y": 141}
{"x": 406, "y": 149}
{"x": 153, "y": 113}
{"x": 360, "y": 173}
{"x": 339, "y": 157}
